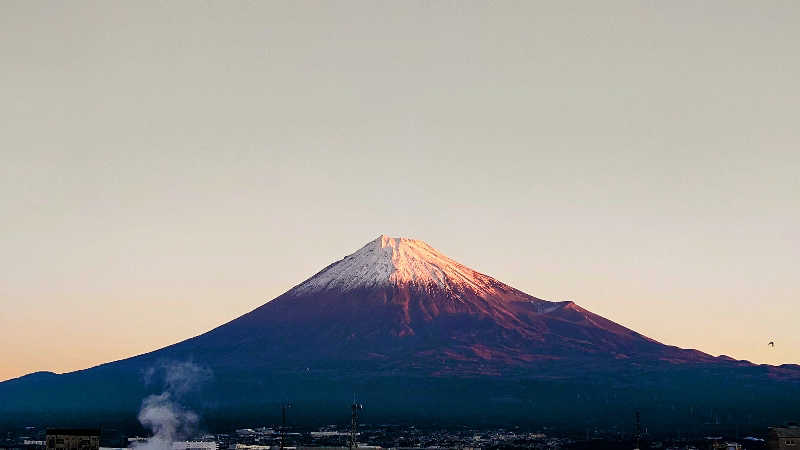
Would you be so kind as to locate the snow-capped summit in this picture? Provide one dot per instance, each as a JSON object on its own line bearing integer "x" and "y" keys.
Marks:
{"x": 388, "y": 261}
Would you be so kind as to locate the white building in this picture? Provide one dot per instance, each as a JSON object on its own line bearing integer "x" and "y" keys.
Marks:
{"x": 194, "y": 445}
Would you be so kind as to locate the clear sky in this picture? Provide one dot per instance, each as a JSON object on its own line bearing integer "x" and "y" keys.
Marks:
{"x": 168, "y": 166}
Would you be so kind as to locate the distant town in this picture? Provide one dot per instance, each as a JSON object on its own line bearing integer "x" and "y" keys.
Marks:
{"x": 380, "y": 436}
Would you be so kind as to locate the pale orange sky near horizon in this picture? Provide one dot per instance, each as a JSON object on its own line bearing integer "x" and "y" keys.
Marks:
{"x": 167, "y": 167}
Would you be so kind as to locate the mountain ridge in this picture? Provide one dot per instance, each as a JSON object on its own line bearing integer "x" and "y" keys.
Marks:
{"x": 400, "y": 299}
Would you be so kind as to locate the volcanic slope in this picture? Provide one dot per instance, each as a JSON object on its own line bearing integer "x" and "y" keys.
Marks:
{"x": 398, "y": 302}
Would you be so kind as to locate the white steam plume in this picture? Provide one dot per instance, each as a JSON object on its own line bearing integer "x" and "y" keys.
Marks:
{"x": 163, "y": 414}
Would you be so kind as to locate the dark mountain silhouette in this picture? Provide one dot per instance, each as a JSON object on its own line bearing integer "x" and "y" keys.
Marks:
{"x": 421, "y": 337}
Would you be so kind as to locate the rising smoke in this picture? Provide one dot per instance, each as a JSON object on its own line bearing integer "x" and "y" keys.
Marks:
{"x": 164, "y": 414}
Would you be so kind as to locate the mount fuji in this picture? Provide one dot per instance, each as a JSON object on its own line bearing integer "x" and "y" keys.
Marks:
{"x": 420, "y": 337}
{"x": 399, "y": 302}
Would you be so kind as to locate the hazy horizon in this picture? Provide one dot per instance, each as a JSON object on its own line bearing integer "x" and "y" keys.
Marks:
{"x": 168, "y": 167}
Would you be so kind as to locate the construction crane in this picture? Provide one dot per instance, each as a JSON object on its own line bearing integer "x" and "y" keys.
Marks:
{"x": 355, "y": 407}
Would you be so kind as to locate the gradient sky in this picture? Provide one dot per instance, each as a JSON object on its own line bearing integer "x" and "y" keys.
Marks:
{"x": 168, "y": 166}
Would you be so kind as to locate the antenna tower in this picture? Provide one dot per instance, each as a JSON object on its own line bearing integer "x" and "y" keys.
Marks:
{"x": 284, "y": 407}
{"x": 355, "y": 407}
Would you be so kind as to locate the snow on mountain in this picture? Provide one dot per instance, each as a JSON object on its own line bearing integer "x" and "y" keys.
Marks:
{"x": 388, "y": 261}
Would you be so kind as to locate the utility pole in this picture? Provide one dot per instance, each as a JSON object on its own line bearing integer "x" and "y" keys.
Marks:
{"x": 284, "y": 407}
{"x": 355, "y": 407}
{"x": 638, "y": 431}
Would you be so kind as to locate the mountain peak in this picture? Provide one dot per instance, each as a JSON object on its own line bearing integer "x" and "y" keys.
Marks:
{"x": 397, "y": 242}
{"x": 404, "y": 244}
{"x": 388, "y": 261}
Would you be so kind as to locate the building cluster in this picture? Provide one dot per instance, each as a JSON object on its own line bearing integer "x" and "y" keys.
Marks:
{"x": 89, "y": 439}
{"x": 784, "y": 438}
{"x": 386, "y": 436}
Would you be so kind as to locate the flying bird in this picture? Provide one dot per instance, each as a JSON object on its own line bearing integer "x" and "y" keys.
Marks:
{"x": 771, "y": 344}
